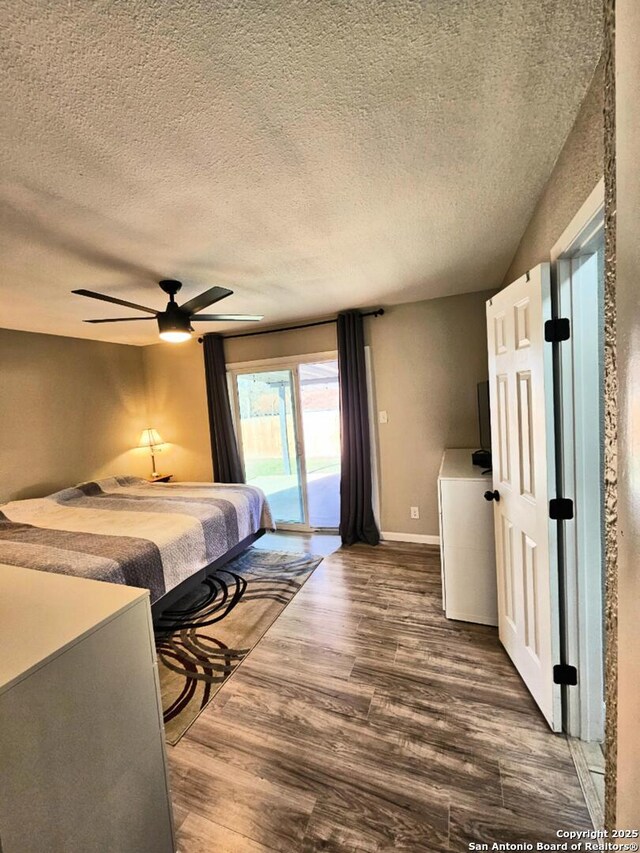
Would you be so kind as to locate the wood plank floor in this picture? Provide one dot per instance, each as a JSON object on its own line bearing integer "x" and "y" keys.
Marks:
{"x": 364, "y": 720}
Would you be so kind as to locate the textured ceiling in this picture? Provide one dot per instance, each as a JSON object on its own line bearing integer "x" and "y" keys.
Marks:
{"x": 311, "y": 155}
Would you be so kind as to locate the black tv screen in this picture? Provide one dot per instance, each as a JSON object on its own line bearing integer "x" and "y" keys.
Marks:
{"x": 484, "y": 415}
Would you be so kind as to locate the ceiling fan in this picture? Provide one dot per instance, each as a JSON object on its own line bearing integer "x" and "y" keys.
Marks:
{"x": 174, "y": 323}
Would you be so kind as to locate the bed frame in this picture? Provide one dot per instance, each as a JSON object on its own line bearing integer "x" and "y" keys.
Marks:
{"x": 170, "y": 598}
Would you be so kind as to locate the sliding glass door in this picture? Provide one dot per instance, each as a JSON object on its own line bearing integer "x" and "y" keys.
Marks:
{"x": 288, "y": 424}
{"x": 269, "y": 439}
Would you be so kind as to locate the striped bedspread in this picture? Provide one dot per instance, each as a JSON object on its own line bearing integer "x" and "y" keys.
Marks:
{"x": 126, "y": 530}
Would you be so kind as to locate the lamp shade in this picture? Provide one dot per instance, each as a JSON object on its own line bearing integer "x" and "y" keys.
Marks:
{"x": 150, "y": 438}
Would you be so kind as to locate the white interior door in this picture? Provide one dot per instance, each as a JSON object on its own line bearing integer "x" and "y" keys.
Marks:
{"x": 521, "y": 390}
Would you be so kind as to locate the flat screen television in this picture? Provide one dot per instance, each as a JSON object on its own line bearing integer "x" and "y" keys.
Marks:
{"x": 482, "y": 456}
{"x": 484, "y": 415}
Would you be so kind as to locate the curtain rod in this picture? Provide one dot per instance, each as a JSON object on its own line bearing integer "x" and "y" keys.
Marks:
{"x": 377, "y": 313}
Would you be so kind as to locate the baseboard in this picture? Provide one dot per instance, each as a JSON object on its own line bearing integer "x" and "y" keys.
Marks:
{"x": 419, "y": 538}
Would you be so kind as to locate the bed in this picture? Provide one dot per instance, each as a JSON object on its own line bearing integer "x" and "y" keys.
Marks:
{"x": 160, "y": 536}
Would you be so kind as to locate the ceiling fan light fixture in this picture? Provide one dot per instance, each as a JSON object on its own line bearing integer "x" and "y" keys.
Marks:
{"x": 175, "y": 337}
{"x": 174, "y": 326}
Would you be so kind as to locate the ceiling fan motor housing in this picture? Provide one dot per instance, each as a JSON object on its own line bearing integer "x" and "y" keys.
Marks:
{"x": 173, "y": 319}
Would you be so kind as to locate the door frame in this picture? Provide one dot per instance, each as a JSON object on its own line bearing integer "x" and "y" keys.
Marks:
{"x": 281, "y": 363}
{"x": 583, "y": 599}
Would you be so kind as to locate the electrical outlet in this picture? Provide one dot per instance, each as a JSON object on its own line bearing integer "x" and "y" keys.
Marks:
{"x": 383, "y": 418}
{"x": 415, "y": 512}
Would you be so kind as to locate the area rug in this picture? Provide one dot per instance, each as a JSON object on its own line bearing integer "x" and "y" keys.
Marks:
{"x": 205, "y": 636}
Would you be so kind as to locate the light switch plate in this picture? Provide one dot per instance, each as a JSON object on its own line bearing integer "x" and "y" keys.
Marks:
{"x": 383, "y": 417}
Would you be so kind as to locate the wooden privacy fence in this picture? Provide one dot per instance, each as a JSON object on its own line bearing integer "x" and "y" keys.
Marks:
{"x": 262, "y": 435}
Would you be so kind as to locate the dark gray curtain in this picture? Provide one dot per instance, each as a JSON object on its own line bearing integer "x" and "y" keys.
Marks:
{"x": 357, "y": 523}
{"x": 227, "y": 467}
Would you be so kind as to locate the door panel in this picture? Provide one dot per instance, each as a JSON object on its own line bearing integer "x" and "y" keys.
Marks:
{"x": 504, "y": 454}
{"x": 521, "y": 421}
{"x": 530, "y": 588}
{"x": 268, "y": 427}
{"x": 320, "y": 416}
{"x": 522, "y": 324}
{"x": 525, "y": 436}
{"x": 505, "y": 565}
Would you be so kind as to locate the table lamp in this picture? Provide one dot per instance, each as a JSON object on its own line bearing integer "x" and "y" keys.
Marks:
{"x": 151, "y": 438}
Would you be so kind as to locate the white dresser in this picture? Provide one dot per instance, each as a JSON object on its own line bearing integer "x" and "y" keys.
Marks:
{"x": 82, "y": 756}
{"x": 467, "y": 550}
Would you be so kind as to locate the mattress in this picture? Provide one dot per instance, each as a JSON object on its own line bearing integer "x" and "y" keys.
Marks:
{"x": 126, "y": 530}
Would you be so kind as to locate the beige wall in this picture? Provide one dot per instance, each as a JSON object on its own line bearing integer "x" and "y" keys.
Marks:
{"x": 427, "y": 359}
{"x": 299, "y": 342}
{"x": 628, "y": 360}
{"x": 70, "y": 410}
{"x": 576, "y": 172}
{"x": 178, "y": 408}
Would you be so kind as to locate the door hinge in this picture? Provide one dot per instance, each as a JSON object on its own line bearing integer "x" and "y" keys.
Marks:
{"x": 557, "y": 330}
{"x": 564, "y": 673}
{"x": 561, "y": 509}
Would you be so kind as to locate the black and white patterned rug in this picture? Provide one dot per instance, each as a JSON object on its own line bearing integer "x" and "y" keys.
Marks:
{"x": 206, "y": 635}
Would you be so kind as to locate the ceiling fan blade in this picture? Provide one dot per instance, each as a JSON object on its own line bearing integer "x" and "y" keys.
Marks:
{"x": 104, "y": 298}
{"x": 214, "y": 318}
{"x": 119, "y": 320}
{"x": 214, "y": 294}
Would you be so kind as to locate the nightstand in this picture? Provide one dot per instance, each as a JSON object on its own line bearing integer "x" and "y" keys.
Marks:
{"x": 161, "y": 478}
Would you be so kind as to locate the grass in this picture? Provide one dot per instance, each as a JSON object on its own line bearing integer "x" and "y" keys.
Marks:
{"x": 273, "y": 467}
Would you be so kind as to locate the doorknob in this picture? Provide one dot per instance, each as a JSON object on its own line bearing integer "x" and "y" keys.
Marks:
{"x": 492, "y": 496}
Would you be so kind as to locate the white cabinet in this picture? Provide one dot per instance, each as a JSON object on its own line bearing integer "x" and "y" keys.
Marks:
{"x": 82, "y": 755}
{"x": 467, "y": 549}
